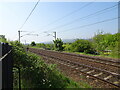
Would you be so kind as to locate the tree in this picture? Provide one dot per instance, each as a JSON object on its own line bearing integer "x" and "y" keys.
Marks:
{"x": 33, "y": 43}
{"x": 58, "y": 44}
{"x": 106, "y": 41}
{"x": 3, "y": 39}
{"x": 2, "y": 36}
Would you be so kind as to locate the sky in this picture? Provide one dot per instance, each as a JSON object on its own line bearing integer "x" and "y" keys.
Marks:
{"x": 70, "y": 20}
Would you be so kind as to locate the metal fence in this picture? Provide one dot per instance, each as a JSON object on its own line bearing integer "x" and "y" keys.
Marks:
{"x": 6, "y": 66}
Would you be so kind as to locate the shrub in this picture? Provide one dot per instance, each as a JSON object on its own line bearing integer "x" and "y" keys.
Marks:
{"x": 33, "y": 43}
{"x": 67, "y": 47}
{"x": 82, "y": 46}
{"x": 58, "y": 44}
{"x": 34, "y": 72}
{"x": 116, "y": 51}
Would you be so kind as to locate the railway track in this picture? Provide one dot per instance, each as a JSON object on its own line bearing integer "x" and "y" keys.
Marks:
{"x": 110, "y": 65}
{"x": 98, "y": 73}
{"x": 115, "y": 63}
{"x": 106, "y": 61}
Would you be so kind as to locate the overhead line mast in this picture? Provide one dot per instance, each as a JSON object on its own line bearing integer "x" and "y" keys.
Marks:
{"x": 27, "y": 19}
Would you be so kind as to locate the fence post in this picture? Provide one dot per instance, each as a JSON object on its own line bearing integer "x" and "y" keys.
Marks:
{"x": 7, "y": 67}
{"x": 10, "y": 68}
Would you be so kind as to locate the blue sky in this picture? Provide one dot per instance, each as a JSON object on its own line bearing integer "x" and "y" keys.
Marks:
{"x": 13, "y": 15}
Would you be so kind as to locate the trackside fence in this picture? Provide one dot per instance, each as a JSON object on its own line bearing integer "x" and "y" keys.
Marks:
{"x": 6, "y": 66}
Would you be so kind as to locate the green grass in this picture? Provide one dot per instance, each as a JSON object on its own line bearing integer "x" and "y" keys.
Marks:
{"x": 101, "y": 55}
{"x": 35, "y": 47}
{"x": 80, "y": 84}
{"x": 85, "y": 84}
{"x": 104, "y": 56}
{"x": 73, "y": 84}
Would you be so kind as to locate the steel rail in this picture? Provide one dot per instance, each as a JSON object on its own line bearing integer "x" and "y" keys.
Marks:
{"x": 111, "y": 73}
{"x": 94, "y": 59}
{"x": 87, "y": 66}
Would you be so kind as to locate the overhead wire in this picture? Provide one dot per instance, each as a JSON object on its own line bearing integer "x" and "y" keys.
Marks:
{"x": 85, "y": 17}
{"x": 69, "y": 14}
{"x": 26, "y": 34}
{"x": 90, "y": 24}
{"x": 29, "y": 14}
{"x": 75, "y": 19}
{"x": 107, "y": 20}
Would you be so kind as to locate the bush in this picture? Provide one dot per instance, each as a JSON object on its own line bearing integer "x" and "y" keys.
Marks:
{"x": 33, "y": 43}
{"x": 116, "y": 51}
{"x": 58, "y": 44}
{"x": 49, "y": 46}
{"x": 34, "y": 72}
{"x": 67, "y": 47}
{"x": 107, "y": 41}
{"x": 90, "y": 51}
{"x": 82, "y": 46}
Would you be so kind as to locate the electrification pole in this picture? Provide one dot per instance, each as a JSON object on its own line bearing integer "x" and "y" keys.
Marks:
{"x": 54, "y": 35}
{"x": 24, "y": 35}
{"x": 25, "y": 42}
{"x": 19, "y": 35}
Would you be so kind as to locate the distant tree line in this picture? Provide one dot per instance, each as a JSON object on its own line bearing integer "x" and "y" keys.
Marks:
{"x": 96, "y": 45}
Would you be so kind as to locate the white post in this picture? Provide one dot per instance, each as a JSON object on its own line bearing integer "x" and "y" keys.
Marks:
{"x": 0, "y": 67}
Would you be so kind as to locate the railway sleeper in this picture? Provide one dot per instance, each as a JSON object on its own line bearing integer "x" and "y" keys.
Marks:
{"x": 84, "y": 69}
{"x": 75, "y": 63}
{"x": 108, "y": 77}
{"x": 98, "y": 74}
{"x": 90, "y": 71}
{"x": 115, "y": 82}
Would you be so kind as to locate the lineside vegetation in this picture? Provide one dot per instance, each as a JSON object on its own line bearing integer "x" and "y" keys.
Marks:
{"x": 101, "y": 44}
{"x": 35, "y": 73}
